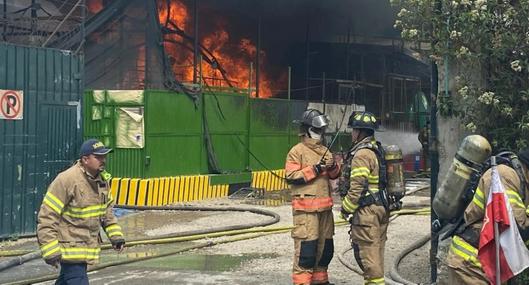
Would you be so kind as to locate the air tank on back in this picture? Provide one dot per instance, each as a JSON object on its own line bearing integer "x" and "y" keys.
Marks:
{"x": 448, "y": 202}
{"x": 394, "y": 171}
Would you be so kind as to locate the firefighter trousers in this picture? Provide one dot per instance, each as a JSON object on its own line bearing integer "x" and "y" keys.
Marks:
{"x": 368, "y": 235}
{"x": 314, "y": 247}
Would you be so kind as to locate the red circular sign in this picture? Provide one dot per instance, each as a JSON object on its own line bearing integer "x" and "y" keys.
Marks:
{"x": 10, "y": 104}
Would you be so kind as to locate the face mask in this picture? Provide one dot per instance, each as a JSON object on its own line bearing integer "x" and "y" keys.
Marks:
{"x": 315, "y": 133}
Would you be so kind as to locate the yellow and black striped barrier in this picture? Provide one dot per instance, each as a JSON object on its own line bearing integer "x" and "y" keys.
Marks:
{"x": 268, "y": 181}
{"x": 168, "y": 190}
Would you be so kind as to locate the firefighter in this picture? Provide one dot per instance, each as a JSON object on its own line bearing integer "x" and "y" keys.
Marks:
{"x": 76, "y": 204}
{"x": 423, "y": 137}
{"x": 309, "y": 166}
{"x": 365, "y": 202}
{"x": 462, "y": 260}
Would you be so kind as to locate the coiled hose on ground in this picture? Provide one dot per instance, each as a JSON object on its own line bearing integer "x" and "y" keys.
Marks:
{"x": 177, "y": 237}
{"x": 250, "y": 228}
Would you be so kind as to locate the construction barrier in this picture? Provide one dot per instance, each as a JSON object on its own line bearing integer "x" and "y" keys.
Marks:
{"x": 177, "y": 189}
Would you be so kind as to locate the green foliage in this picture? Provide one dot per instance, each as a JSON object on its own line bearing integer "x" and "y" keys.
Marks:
{"x": 486, "y": 44}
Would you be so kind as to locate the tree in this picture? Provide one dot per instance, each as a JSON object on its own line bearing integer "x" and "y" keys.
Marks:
{"x": 486, "y": 44}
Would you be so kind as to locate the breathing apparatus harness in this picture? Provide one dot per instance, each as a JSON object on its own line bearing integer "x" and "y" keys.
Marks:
{"x": 460, "y": 228}
{"x": 380, "y": 198}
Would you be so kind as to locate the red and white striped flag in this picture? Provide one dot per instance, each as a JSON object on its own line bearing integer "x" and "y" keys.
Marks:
{"x": 514, "y": 256}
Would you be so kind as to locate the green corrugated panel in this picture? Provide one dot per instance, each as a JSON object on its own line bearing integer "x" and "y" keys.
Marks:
{"x": 173, "y": 141}
{"x": 227, "y": 120}
{"x": 33, "y": 150}
{"x": 269, "y": 133}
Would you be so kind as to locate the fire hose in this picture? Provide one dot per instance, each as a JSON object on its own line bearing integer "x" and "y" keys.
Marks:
{"x": 196, "y": 234}
{"x": 201, "y": 234}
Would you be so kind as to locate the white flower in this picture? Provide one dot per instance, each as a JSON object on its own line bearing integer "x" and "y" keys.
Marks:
{"x": 487, "y": 98}
{"x": 515, "y": 65}
{"x": 413, "y": 33}
{"x": 463, "y": 91}
{"x": 397, "y": 24}
{"x": 402, "y": 12}
{"x": 465, "y": 2}
{"x": 462, "y": 51}
{"x": 471, "y": 127}
{"x": 480, "y": 3}
{"x": 507, "y": 111}
{"x": 455, "y": 34}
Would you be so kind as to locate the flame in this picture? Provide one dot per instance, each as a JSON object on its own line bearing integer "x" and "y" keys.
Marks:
{"x": 234, "y": 56}
{"x": 94, "y": 6}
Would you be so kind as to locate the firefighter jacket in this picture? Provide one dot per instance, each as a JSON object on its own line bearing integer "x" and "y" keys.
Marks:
{"x": 465, "y": 243}
{"x": 475, "y": 211}
{"x": 310, "y": 190}
{"x": 364, "y": 176}
{"x": 73, "y": 209}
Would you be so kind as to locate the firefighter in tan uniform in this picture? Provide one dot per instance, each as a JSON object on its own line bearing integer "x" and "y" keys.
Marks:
{"x": 462, "y": 259}
{"x": 76, "y": 204}
{"x": 365, "y": 203}
{"x": 309, "y": 165}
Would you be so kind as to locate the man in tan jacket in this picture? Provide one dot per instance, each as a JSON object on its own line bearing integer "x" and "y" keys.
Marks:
{"x": 365, "y": 203}
{"x": 76, "y": 204}
{"x": 309, "y": 165}
{"x": 462, "y": 259}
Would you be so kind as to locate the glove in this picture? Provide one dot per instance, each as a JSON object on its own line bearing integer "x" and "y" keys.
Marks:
{"x": 118, "y": 244}
{"x": 332, "y": 166}
{"x": 53, "y": 261}
{"x": 329, "y": 163}
{"x": 318, "y": 168}
{"x": 346, "y": 215}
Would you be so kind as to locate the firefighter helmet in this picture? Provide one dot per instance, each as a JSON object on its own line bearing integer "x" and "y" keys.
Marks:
{"x": 314, "y": 118}
{"x": 362, "y": 120}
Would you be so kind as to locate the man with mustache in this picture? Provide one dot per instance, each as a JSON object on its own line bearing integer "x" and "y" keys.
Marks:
{"x": 76, "y": 204}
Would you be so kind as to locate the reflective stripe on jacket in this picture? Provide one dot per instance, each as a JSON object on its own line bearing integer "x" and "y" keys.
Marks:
{"x": 72, "y": 211}
{"x": 475, "y": 211}
{"x": 466, "y": 251}
{"x": 364, "y": 172}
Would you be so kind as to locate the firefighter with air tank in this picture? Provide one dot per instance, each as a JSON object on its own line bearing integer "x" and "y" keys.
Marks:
{"x": 462, "y": 199}
{"x": 372, "y": 184}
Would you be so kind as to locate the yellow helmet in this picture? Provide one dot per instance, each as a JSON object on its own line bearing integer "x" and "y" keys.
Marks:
{"x": 362, "y": 120}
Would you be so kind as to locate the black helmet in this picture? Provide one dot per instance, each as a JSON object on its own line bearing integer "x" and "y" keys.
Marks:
{"x": 524, "y": 156}
{"x": 362, "y": 120}
{"x": 313, "y": 118}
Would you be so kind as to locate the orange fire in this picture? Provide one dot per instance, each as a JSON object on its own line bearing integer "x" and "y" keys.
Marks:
{"x": 235, "y": 59}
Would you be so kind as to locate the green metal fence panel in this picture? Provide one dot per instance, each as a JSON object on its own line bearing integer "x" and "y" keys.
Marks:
{"x": 227, "y": 121}
{"x": 245, "y": 134}
{"x": 270, "y": 126}
{"x": 174, "y": 141}
{"x": 47, "y": 137}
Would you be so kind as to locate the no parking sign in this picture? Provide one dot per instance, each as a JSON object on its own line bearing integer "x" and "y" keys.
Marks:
{"x": 11, "y": 104}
